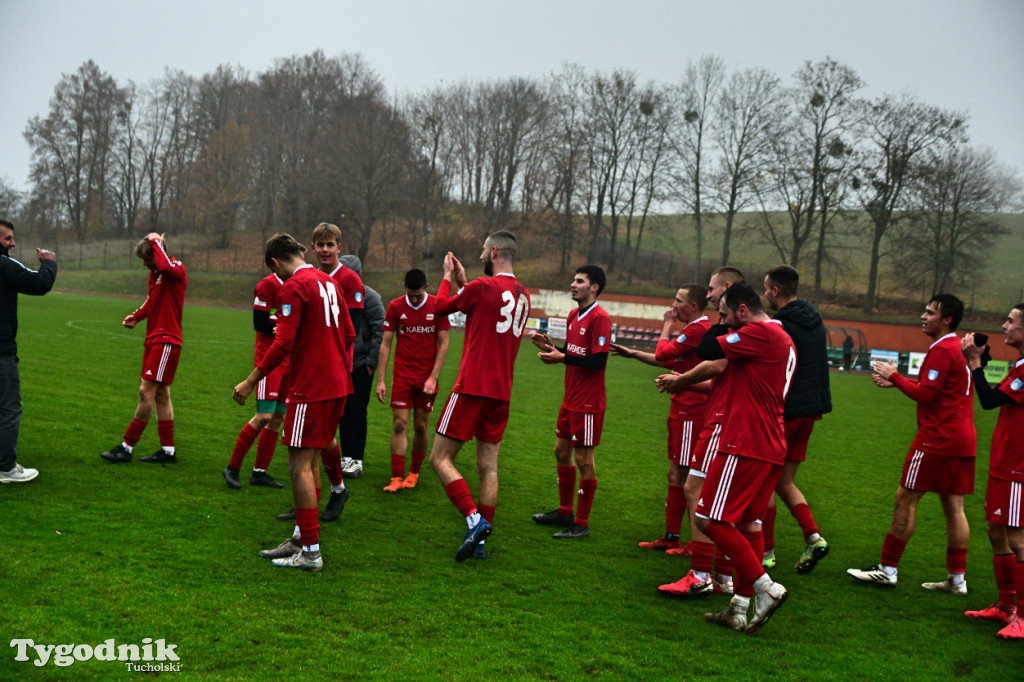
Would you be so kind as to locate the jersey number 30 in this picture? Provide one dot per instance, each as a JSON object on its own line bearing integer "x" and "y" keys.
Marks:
{"x": 514, "y": 322}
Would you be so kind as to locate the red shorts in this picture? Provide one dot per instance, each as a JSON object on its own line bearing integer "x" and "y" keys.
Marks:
{"x": 737, "y": 489}
{"x": 1002, "y": 502}
{"x": 682, "y": 436}
{"x": 938, "y": 474}
{"x": 582, "y": 428}
{"x": 407, "y": 394}
{"x": 312, "y": 425}
{"x": 704, "y": 449}
{"x": 269, "y": 387}
{"x": 798, "y": 432}
{"x": 160, "y": 362}
{"x": 470, "y": 416}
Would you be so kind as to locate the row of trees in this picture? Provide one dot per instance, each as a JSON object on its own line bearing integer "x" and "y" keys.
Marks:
{"x": 582, "y": 159}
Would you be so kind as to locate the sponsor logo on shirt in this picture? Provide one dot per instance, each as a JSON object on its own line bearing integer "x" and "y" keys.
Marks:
{"x": 933, "y": 374}
{"x": 1016, "y": 384}
{"x": 286, "y": 309}
{"x": 583, "y": 330}
{"x": 733, "y": 338}
{"x": 573, "y": 349}
{"x": 402, "y": 317}
{"x": 420, "y": 329}
{"x": 430, "y": 317}
{"x": 681, "y": 338}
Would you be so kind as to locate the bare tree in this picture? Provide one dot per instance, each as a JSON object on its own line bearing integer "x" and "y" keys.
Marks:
{"x": 954, "y": 200}
{"x": 10, "y": 200}
{"x": 899, "y": 131}
{"x": 696, "y": 96}
{"x": 751, "y": 113}
{"x": 72, "y": 146}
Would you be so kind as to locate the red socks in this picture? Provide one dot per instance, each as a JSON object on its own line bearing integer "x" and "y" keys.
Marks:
{"x": 956, "y": 559}
{"x": 165, "y": 429}
{"x": 309, "y": 528}
{"x": 1018, "y": 578}
{"x": 487, "y": 513}
{"x": 566, "y": 489}
{"x": 1004, "y": 565}
{"x": 803, "y": 516}
{"x": 737, "y": 547}
{"x": 397, "y": 466}
{"x": 245, "y": 440}
{"x": 703, "y": 554}
{"x": 332, "y": 464}
{"x": 585, "y": 500}
{"x": 134, "y": 432}
{"x": 458, "y": 493}
{"x": 417, "y": 462}
{"x": 892, "y": 550}
{"x": 265, "y": 448}
{"x": 675, "y": 509}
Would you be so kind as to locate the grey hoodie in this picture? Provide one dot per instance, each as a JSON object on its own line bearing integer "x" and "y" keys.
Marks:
{"x": 371, "y": 332}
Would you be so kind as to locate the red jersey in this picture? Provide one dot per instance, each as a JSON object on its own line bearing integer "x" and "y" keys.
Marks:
{"x": 762, "y": 360}
{"x": 945, "y": 401}
{"x": 586, "y": 335}
{"x": 351, "y": 284}
{"x": 265, "y": 298}
{"x": 680, "y": 354}
{"x": 415, "y": 331}
{"x": 1007, "y": 448}
{"x": 496, "y": 310}
{"x": 718, "y": 398}
{"x": 310, "y": 331}
{"x": 163, "y": 306}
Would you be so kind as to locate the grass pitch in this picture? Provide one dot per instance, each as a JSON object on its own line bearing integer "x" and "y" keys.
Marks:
{"x": 95, "y": 551}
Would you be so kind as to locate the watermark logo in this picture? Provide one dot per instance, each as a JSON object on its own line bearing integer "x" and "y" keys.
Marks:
{"x": 63, "y": 655}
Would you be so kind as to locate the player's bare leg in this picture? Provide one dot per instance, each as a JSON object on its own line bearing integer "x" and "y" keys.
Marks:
{"x": 399, "y": 442}
{"x": 901, "y": 528}
{"x": 122, "y": 453}
{"x": 302, "y": 549}
{"x": 816, "y": 547}
{"x": 958, "y": 534}
{"x": 566, "y": 468}
{"x": 419, "y": 446}
{"x": 442, "y": 459}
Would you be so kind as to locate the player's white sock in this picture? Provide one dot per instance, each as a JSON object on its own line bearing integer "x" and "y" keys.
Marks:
{"x": 346, "y": 460}
{"x": 129, "y": 448}
{"x": 769, "y": 554}
{"x": 742, "y": 602}
{"x": 338, "y": 488}
{"x": 311, "y": 548}
{"x": 701, "y": 576}
{"x": 956, "y": 578}
{"x": 258, "y": 471}
{"x": 889, "y": 570}
{"x": 473, "y": 519}
{"x": 168, "y": 450}
{"x": 814, "y": 538}
{"x": 762, "y": 584}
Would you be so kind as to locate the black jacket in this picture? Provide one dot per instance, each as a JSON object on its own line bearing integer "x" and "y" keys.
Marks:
{"x": 809, "y": 394}
{"x": 16, "y": 279}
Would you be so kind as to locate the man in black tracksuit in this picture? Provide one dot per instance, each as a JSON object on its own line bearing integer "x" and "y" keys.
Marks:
{"x": 808, "y": 398}
{"x": 15, "y": 279}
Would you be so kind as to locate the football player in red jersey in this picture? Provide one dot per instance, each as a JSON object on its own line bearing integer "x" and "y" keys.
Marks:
{"x": 496, "y": 307}
{"x": 421, "y": 345}
{"x": 941, "y": 458}
{"x": 1005, "y": 478}
{"x": 755, "y": 362}
{"x": 686, "y": 412}
{"x": 270, "y": 408}
{"x": 162, "y": 311}
{"x": 578, "y": 430}
{"x": 318, "y": 345}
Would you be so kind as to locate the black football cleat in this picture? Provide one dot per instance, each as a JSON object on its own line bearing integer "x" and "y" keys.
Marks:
{"x": 263, "y": 478}
{"x": 160, "y": 457}
{"x": 334, "y": 506}
{"x": 118, "y": 455}
{"x": 231, "y": 478}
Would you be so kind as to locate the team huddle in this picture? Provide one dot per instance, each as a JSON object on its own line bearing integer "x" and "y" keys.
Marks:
{"x": 745, "y": 395}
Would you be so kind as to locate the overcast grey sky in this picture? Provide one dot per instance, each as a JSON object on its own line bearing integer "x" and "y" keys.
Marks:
{"x": 958, "y": 55}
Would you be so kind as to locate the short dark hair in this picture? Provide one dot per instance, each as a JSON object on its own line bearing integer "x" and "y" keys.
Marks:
{"x": 1020, "y": 307}
{"x": 595, "y": 274}
{"x": 741, "y": 293}
{"x": 415, "y": 279}
{"x": 786, "y": 278}
{"x": 8, "y": 224}
{"x": 505, "y": 242}
{"x": 282, "y": 246}
{"x": 696, "y": 293}
{"x": 949, "y": 306}
{"x": 729, "y": 274}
